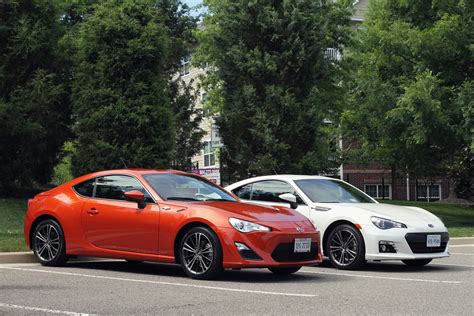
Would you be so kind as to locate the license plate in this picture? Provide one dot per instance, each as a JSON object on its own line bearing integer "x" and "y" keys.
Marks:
{"x": 433, "y": 240}
{"x": 302, "y": 245}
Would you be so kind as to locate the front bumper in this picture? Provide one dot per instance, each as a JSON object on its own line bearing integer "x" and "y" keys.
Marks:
{"x": 409, "y": 243}
{"x": 272, "y": 248}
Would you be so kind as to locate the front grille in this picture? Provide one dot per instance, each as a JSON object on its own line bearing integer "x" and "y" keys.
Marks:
{"x": 417, "y": 242}
{"x": 285, "y": 253}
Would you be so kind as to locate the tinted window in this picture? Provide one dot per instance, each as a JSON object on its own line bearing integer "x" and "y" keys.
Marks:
{"x": 331, "y": 191}
{"x": 85, "y": 188}
{"x": 270, "y": 190}
{"x": 243, "y": 192}
{"x": 183, "y": 187}
{"x": 114, "y": 187}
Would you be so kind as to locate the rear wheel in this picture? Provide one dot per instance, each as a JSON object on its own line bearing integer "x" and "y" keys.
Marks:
{"x": 417, "y": 262}
{"x": 48, "y": 243}
{"x": 284, "y": 271}
{"x": 201, "y": 254}
{"x": 345, "y": 247}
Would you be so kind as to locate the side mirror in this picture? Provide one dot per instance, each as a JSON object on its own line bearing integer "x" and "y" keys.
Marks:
{"x": 136, "y": 196}
{"x": 289, "y": 198}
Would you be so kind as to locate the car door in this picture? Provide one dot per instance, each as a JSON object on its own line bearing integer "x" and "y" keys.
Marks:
{"x": 110, "y": 221}
{"x": 267, "y": 192}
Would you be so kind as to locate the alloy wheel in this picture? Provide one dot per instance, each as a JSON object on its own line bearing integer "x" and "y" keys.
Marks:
{"x": 47, "y": 242}
{"x": 343, "y": 247}
{"x": 197, "y": 253}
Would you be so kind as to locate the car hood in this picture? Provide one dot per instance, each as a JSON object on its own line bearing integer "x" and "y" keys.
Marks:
{"x": 389, "y": 211}
{"x": 254, "y": 212}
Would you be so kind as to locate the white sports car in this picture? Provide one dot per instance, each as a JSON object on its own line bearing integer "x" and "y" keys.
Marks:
{"x": 354, "y": 227}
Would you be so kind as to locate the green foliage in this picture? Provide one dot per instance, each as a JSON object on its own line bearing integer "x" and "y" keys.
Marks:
{"x": 188, "y": 133}
{"x": 271, "y": 82}
{"x": 34, "y": 105}
{"x": 121, "y": 103}
{"x": 411, "y": 60}
{"x": 62, "y": 171}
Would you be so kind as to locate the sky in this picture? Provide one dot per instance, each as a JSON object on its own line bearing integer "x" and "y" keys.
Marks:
{"x": 192, "y": 3}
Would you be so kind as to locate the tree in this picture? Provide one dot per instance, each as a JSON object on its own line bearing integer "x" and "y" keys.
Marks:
{"x": 410, "y": 58}
{"x": 188, "y": 132}
{"x": 34, "y": 104}
{"x": 272, "y": 83}
{"x": 124, "y": 102}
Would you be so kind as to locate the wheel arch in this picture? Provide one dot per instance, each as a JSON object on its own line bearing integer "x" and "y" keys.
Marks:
{"x": 331, "y": 227}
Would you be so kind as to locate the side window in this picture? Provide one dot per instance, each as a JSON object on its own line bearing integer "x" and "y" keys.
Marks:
{"x": 269, "y": 191}
{"x": 114, "y": 187}
{"x": 243, "y": 192}
{"x": 85, "y": 188}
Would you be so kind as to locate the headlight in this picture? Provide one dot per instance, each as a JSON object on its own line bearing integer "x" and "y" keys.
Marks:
{"x": 247, "y": 227}
{"x": 384, "y": 223}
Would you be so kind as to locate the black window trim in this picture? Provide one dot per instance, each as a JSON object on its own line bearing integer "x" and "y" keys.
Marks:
{"x": 266, "y": 180}
{"x": 107, "y": 175}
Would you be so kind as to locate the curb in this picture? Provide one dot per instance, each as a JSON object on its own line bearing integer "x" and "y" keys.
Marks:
{"x": 28, "y": 257}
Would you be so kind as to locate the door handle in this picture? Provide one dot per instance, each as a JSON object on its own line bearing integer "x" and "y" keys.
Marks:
{"x": 93, "y": 211}
{"x": 166, "y": 208}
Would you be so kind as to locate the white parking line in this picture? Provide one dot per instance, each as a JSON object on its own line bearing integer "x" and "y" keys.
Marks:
{"x": 161, "y": 282}
{"x": 379, "y": 277}
{"x": 462, "y": 254}
{"x": 461, "y": 246}
{"x": 38, "y": 309}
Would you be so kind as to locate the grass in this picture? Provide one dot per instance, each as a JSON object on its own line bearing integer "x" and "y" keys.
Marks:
{"x": 458, "y": 218}
{"x": 12, "y": 214}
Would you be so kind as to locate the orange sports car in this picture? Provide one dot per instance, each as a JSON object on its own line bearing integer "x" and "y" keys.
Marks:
{"x": 166, "y": 216}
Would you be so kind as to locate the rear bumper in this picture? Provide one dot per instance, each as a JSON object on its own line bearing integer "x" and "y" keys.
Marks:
{"x": 264, "y": 244}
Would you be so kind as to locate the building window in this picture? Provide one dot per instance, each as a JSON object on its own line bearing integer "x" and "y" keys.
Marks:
{"x": 375, "y": 191}
{"x": 206, "y": 111}
{"x": 185, "y": 66}
{"x": 209, "y": 155}
{"x": 433, "y": 191}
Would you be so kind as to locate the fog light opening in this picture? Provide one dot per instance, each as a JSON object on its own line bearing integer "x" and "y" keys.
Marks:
{"x": 245, "y": 252}
{"x": 387, "y": 247}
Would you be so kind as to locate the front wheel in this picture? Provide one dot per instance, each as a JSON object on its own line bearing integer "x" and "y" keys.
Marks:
{"x": 284, "y": 271}
{"x": 346, "y": 248}
{"x": 201, "y": 254}
{"x": 48, "y": 243}
{"x": 417, "y": 262}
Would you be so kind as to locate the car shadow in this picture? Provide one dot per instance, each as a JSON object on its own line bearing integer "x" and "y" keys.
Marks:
{"x": 174, "y": 270}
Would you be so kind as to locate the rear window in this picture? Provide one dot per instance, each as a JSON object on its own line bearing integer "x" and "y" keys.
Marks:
{"x": 85, "y": 188}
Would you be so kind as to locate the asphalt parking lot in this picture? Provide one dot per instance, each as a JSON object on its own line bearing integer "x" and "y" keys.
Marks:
{"x": 445, "y": 286}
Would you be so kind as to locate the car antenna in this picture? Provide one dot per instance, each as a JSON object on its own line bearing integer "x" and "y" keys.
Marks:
{"x": 124, "y": 164}
{"x": 276, "y": 173}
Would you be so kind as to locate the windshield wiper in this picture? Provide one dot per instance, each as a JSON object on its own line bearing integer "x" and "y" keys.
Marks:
{"x": 219, "y": 200}
{"x": 179, "y": 198}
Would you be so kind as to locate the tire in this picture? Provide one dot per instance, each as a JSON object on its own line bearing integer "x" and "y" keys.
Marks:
{"x": 284, "y": 271}
{"x": 417, "y": 262}
{"x": 346, "y": 248}
{"x": 201, "y": 254}
{"x": 48, "y": 243}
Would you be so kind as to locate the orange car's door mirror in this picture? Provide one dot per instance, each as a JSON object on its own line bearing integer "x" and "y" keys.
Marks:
{"x": 136, "y": 196}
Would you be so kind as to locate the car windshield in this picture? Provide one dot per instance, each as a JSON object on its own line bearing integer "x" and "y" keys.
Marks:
{"x": 180, "y": 187}
{"x": 331, "y": 191}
